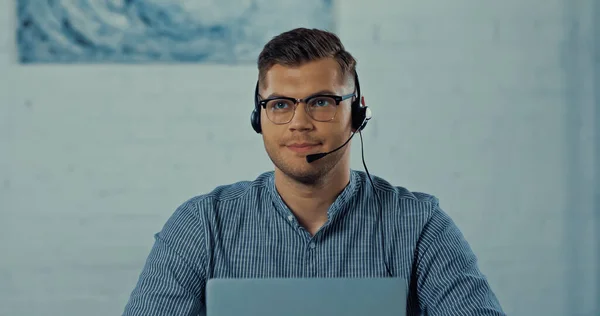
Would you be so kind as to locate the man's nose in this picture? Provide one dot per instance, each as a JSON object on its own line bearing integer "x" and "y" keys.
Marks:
{"x": 301, "y": 119}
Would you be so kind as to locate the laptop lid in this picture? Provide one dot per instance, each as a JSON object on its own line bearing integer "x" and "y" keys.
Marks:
{"x": 303, "y": 297}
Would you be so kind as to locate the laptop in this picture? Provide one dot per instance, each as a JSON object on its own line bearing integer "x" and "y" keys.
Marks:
{"x": 306, "y": 297}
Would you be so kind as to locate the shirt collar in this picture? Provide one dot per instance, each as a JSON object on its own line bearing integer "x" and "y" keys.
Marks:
{"x": 336, "y": 209}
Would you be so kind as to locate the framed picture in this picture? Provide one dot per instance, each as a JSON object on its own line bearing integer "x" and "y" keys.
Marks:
{"x": 159, "y": 31}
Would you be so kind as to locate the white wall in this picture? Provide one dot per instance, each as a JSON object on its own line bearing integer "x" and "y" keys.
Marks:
{"x": 487, "y": 104}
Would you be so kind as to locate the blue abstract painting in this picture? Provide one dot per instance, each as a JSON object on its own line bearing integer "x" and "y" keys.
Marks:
{"x": 159, "y": 31}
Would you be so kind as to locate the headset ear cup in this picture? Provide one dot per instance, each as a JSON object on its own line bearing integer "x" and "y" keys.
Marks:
{"x": 358, "y": 117}
{"x": 255, "y": 121}
{"x": 255, "y": 116}
{"x": 358, "y": 111}
{"x": 359, "y": 114}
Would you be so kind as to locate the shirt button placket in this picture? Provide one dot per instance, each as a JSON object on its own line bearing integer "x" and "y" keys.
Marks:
{"x": 311, "y": 259}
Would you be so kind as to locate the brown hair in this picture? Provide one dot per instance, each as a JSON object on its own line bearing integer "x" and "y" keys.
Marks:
{"x": 302, "y": 45}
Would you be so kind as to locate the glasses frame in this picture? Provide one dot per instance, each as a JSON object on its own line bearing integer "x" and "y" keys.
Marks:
{"x": 338, "y": 99}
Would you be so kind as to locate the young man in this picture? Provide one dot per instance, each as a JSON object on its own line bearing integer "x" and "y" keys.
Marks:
{"x": 313, "y": 219}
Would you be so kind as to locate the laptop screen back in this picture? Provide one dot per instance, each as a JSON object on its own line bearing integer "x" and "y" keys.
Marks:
{"x": 304, "y": 297}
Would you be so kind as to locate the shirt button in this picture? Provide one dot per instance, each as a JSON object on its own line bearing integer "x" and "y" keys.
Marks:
{"x": 312, "y": 245}
{"x": 290, "y": 218}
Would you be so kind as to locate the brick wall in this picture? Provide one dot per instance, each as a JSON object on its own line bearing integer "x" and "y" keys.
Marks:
{"x": 477, "y": 102}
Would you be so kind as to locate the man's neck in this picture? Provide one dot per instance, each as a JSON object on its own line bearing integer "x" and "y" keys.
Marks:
{"x": 310, "y": 203}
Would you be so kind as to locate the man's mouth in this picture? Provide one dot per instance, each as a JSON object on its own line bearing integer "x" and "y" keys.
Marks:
{"x": 302, "y": 147}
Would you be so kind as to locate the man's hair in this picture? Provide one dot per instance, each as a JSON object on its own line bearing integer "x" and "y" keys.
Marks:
{"x": 301, "y": 45}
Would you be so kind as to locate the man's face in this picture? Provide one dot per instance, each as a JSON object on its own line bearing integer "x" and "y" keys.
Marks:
{"x": 288, "y": 144}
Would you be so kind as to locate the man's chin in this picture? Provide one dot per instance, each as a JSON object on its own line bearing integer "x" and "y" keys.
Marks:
{"x": 306, "y": 178}
{"x": 295, "y": 166}
{"x": 305, "y": 174}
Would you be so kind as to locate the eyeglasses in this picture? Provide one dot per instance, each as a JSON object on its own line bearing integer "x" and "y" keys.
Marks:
{"x": 322, "y": 108}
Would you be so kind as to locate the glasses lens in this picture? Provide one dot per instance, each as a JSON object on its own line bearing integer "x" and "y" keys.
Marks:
{"x": 280, "y": 111}
{"x": 322, "y": 108}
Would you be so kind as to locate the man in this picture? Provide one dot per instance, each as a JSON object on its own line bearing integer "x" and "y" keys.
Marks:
{"x": 311, "y": 219}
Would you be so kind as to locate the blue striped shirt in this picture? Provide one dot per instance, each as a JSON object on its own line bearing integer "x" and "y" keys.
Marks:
{"x": 245, "y": 230}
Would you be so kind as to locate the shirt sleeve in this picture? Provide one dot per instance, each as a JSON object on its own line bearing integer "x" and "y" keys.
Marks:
{"x": 173, "y": 277}
{"x": 449, "y": 280}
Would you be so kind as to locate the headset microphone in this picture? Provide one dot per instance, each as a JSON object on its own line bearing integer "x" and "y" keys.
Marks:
{"x": 313, "y": 157}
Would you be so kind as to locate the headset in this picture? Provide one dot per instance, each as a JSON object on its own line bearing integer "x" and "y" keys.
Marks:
{"x": 360, "y": 113}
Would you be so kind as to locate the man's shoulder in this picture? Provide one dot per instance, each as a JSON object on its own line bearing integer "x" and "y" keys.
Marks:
{"x": 229, "y": 193}
{"x": 399, "y": 193}
{"x": 240, "y": 189}
{"x": 420, "y": 210}
{"x": 417, "y": 208}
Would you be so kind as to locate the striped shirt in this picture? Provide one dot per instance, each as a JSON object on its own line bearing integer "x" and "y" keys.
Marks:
{"x": 245, "y": 230}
